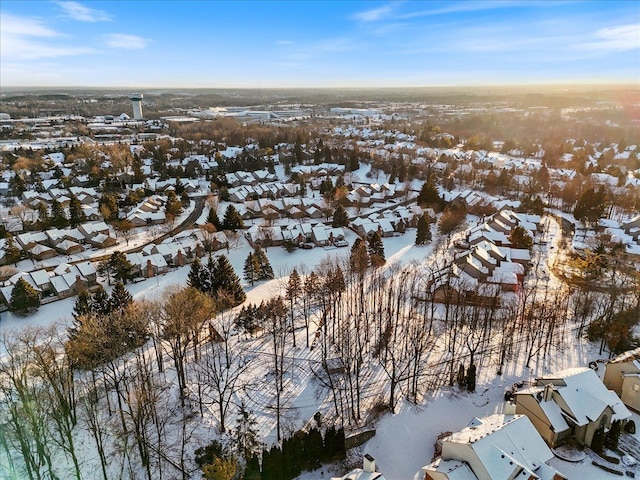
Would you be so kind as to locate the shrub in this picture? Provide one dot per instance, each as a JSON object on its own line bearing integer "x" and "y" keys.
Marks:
{"x": 630, "y": 427}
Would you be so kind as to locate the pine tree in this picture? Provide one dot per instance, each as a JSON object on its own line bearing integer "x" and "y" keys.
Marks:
{"x": 329, "y": 444}
{"x": 251, "y": 269}
{"x": 197, "y": 276}
{"x": 340, "y": 217}
{"x": 520, "y": 238}
{"x": 11, "y": 252}
{"x": 376, "y": 250}
{"x": 252, "y": 470}
{"x": 423, "y": 235}
{"x": 58, "y": 217}
{"x": 43, "y": 216}
{"x": 341, "y": 448}
{"x": 471, "y": 378}
{"x": 246, "y": 434}
{"x": 313, "y": 448}
{"x": 428, "y": 194}
{"x": 265, "y": 271}
{"x": 232, "y": 219}
{"x": 213, "y": 219}
{"x": 99, "y": 303}
{"x": 76, "y": 213}
{"x": 24, "y": 298}
{"x": 120, "y": 298}
{"x": 120, "y": 266}
{"x": 224, "y": 280}
{"x": 82, "y": 305}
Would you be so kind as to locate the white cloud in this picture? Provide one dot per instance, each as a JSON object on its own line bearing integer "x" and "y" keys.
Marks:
{"x": 126, "y": 41}
{"x": 375, "y": 14}
{"x": 620, "y": 38}
{"x": 23, "y": 38}
{"x": 28, "y": 26}
{"x": 81, "y": 13}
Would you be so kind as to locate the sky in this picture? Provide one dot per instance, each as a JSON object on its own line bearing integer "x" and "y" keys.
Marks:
{"x": 265, "y": 44}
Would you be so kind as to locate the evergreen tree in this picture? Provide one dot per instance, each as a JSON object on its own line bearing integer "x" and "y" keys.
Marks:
{"x": 340, "y": 217}
{"x": 82, "y": 305}
{"x": 213, "y": 219}
{"x": 423, "y": 235}
{"x": 520, "y": 238}
{"x": 313, "y": 448}
{"x": 613, "y": 435}
{"x": 597, "y": 442}
{"x": 120, "y": 298}
{"x": 58, "y": 217}
{"x": 462, "y": 379}
{"x": 341, "y": 448}
{"x": 43, "y": 216}
{"x": 265, "y": 271}
{"x": 120, "y": 266}
{"x": 591, "y": 206}
{"x": 329, "y": 444}
{"x": 429, "y": 194}
{"x": 173, "y": 205}
{"x": 76, "y": 213}
{"x": 376, "y": 250}
{"x": 232, "y": 219}
{"x": 11, "y": 252}
{"x": 471, "y": 378}
{"x": 99, "y": 303}
{"x": 17, "y": 185}
{"x": 197, "y": 277}
{"x": 251, "y": 268}
{"x": 354, "y": 164}
{"x": 24, "y": 298}
{"x": 252, "y": 469}
{"x": 246, "y": 435}
{"x": 224, "y": 280}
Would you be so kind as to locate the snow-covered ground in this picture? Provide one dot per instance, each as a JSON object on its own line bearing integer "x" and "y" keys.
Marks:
{"x": 405, "y": 440}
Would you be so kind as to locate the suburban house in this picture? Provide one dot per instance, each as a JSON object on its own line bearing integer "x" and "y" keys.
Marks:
{"x": 573, "y": 403}
{"x": 367, "y": 472}
{"x": 622, "y": 375}
{"x": 495, "y": 447}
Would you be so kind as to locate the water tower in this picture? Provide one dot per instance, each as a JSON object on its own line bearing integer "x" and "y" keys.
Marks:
{"x": 136, "y": 103}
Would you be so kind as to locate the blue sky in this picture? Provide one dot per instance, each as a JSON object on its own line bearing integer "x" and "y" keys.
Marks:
{"x": 317, "y": 44}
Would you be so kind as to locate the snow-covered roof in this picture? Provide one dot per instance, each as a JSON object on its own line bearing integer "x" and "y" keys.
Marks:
{"x": 503, "y": 446}
{"x": 584, "y": 394}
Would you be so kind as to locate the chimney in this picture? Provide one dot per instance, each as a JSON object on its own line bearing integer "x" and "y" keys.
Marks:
{"x": 149, "y": 269}
{"x": 369, "y": 464}
{"x": 180, "y": 258}
{"x": 548, "y": 392}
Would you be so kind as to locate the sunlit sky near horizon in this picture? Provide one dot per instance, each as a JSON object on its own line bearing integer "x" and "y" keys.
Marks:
{"x": 264, "y": 44}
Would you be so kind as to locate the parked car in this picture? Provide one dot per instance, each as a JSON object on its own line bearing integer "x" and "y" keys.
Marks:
{"x": 341, "y": 243}
{"x": 306, "y": 245}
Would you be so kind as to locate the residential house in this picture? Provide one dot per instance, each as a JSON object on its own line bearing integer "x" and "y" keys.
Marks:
{"x": 573, "y": 403}
{"x": 622, "y": 375}
{"x": 102, "y": 241}
{"x": 491, "y": 448}
{"x": 41, "y": 252}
